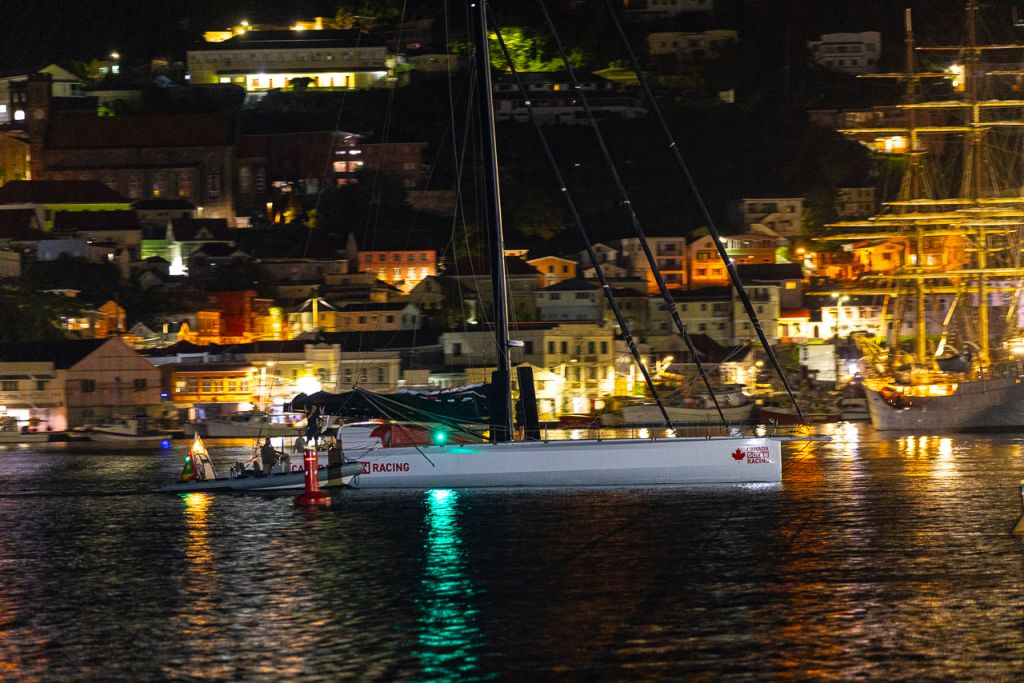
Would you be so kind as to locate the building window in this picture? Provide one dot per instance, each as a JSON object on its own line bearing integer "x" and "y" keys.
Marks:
{"x": 456, "y": 349}
{"x": 8, "y": 385}
{"x": 551, "y": 347}
{"x": 528, "y": 347}
{"x": 381, "y": 376}
{"x": 135, "y": 186}
{"x": 184, "y": 185}
{"x": 159, "y": 185}
{"x": 213, "y": 185}
{"x": 244, "y": 180}
{"x": 88, "y": 386}
{"x": 139, "y": 384}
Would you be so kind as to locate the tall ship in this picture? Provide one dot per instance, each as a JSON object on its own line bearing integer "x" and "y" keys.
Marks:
{"x": 953, "y": 350}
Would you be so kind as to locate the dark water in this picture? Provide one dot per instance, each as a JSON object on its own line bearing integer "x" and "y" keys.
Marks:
{"x": 883, "y": 558}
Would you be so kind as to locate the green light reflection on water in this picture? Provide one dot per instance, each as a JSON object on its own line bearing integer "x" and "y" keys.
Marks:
{"x": 449, "y": 639}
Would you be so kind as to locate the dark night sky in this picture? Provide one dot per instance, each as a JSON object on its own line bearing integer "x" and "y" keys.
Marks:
{"x": 33, "y": 32}
{"x": 36, "y": 31}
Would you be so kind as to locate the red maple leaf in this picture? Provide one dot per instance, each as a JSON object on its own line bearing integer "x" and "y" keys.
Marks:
{"x": 739, "y": 454}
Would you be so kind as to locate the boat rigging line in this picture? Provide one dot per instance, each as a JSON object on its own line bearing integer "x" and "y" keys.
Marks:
{"x": 630, "y": 214}
{"x": 581, "y": 228}
{"x": 716, "y": 237}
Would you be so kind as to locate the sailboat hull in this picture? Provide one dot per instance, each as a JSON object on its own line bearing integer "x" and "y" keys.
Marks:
{"x": 612, "y": 462}
{"x": 987, "y": 404}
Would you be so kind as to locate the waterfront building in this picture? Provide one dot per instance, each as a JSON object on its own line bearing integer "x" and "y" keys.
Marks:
{"x": 66, "y": 383}
{"x": 582, "y": 354}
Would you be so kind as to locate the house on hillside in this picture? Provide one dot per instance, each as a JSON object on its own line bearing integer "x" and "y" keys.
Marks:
{"x": 48, "y": 197}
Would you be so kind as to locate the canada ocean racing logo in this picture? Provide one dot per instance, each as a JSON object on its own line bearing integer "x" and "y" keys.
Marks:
{"x": 754, "y": 455}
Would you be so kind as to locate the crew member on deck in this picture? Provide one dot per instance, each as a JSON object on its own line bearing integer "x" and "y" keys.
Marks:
{"x": 268, "y": 456}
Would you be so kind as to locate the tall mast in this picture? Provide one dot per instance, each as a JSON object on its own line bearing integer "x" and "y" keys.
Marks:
{"x": 913, "y": 191}
{"x": 975, "y": 182}
{"x": 501, "y": 386}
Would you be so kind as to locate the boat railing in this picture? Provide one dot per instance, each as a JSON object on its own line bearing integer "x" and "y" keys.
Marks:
{"x": 598, "y": 432}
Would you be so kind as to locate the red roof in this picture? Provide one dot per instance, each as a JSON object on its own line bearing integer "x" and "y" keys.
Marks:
{"x": 144, "y": 130}
{"x": 59, "y": 192}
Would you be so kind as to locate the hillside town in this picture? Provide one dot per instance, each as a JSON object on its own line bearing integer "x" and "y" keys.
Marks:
{"x": 190, "y": 238}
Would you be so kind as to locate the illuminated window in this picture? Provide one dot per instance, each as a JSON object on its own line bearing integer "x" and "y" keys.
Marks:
{"x": 159, "y": 185}
{"x": 244, "y": 180}
{"x": 185, "y": 185}
{"x": 19, "y": 115}
{"x": 3, "y": 108}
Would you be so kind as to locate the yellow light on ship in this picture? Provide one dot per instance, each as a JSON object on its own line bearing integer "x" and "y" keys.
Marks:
{"x": 956, "y": 79}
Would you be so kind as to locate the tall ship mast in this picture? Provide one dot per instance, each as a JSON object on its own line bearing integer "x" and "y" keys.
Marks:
{"x": 961, "y": 269}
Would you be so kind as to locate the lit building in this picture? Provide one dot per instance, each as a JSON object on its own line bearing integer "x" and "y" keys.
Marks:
{"x": 402, "y": 259}
{"x": 581, "y": 354}
{"x": 706, "y": 267}
{"x": 669, "y": 253}
{"x": 262, "y": 60}
{"x": 554, "y": 269}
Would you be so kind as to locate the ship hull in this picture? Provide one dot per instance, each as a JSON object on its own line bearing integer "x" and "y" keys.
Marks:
{"x": 975, "y": 406}
{"x": 612, "y": 462}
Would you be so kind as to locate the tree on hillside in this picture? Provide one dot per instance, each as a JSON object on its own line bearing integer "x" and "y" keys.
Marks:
{"x": 29, "y": 315}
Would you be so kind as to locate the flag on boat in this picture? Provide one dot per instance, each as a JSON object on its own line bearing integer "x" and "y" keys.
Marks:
{"x": 198, "y": 466}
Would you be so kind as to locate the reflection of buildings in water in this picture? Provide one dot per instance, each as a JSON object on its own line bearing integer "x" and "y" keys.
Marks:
{"x": 198, "y": 584}
{"x": 931, "y": 457}
{"x": 450, "y": 640}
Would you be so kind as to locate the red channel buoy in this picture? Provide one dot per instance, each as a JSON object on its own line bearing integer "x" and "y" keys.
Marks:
{"x": 312, "y": 495}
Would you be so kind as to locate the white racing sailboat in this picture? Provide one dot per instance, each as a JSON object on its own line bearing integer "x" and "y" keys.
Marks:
{"x": 596, "y": 462}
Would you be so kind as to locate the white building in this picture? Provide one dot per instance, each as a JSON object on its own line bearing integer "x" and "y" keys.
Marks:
{"x": 582, "y": 354}
{"x": 261, "y": 60}
{"x": 781, "y": 215}
{"x": 570, "y": 300}
{"x": 852, "y": 53}
{"x": 690, "y": 46}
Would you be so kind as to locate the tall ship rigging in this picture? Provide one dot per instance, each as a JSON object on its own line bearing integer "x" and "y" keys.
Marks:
{"x": 960, "y": 281}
